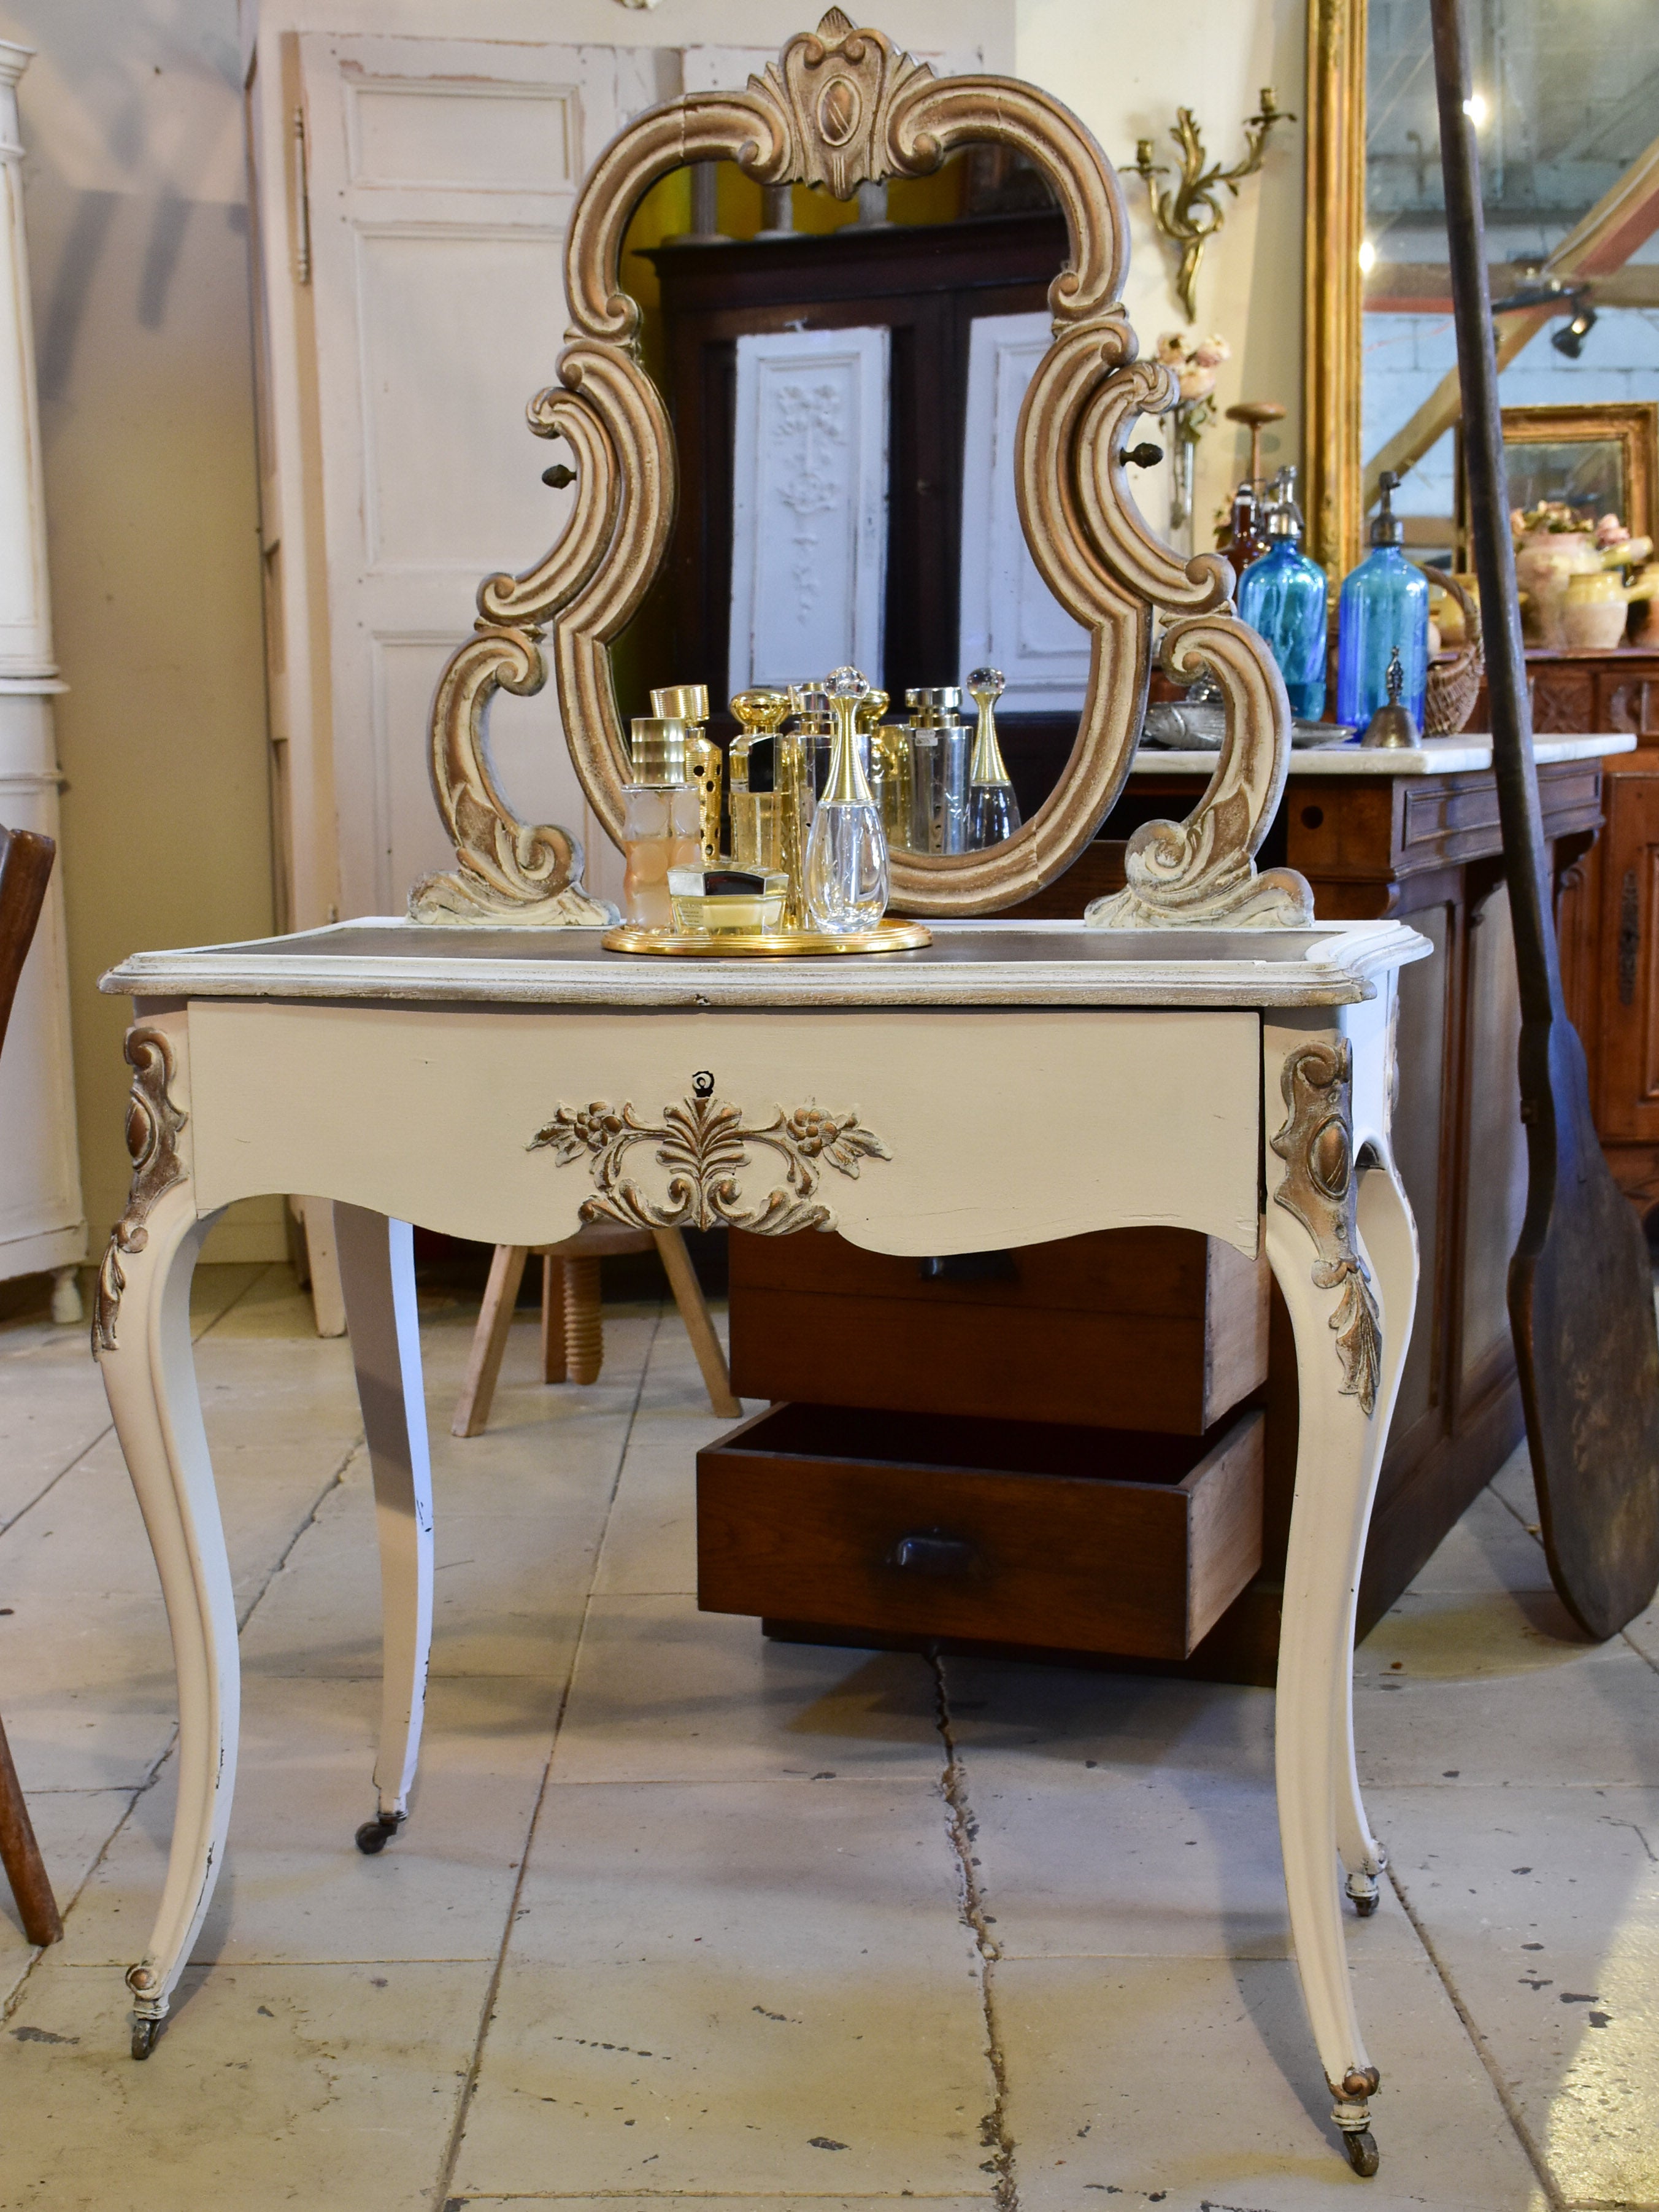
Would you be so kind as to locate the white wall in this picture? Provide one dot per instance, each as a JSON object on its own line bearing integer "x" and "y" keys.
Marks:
{"x": 1126, "y": 77}
{"x": 133, "y": 197}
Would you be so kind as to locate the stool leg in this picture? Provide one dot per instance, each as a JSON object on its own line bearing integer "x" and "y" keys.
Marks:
{"x": 699, "y": 1322}
{"x": 584, "y": 1321}
{"x": 21, "y": 1857}
{"x": 553, "y": 1362}
{"x": 490, "y": 1339}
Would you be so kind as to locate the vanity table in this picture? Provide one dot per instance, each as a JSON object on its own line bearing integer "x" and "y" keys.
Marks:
{"x": 1013, "y": 1083}
{"x": 1195, "y": 1053}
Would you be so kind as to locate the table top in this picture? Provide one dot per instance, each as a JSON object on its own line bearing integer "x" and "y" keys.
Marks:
{"x": 969, "y": 964}
{"x": 1462, "y": 755}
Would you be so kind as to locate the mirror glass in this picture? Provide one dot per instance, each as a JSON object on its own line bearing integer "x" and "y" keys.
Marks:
{"x": 844, "y": 379}
{"x": 1567, "y": 102}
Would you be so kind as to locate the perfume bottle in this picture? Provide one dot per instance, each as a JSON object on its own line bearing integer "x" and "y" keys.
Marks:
{"x": 1283, "y": 597}
{"x": 890, "y": 781}
{"x": 992, "y": 810}
{"x": 1385, "y": 609}
{"x": 662, "y": 827}
{"x": 939, "y": 770}
{"x": 689, "y": 704}
{"x": 847, "y": 853}
{"x": 755, "y": 799}
{"x": 1246, "y": 540}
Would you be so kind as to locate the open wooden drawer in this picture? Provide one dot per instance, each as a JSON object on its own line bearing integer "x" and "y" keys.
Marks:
{"x": 1015, "y": 1532}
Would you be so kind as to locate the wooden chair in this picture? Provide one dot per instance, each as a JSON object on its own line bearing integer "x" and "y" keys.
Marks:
{"x": 573, "y": 1325}
{"x": 24, "y": 865}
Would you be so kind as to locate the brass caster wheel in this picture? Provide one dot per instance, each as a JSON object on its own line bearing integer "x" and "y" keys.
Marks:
{"x": 1361, "y": 2147}
{"x": 144, "y": 2033}
{"x": 1365, "y": 1907}
{"x": 375, "y": 1835}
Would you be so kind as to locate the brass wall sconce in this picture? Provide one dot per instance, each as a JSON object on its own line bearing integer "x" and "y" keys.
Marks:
{"x": 1189, "y": 214}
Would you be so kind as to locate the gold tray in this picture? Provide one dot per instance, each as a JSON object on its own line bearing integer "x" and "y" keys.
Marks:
{"x": 776, "y": 945}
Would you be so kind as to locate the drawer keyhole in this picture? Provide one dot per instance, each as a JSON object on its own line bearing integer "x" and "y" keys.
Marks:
{"x": 938, "y": 1556}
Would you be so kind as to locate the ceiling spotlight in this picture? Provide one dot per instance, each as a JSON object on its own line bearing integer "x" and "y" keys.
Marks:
{"x": 1570, "y": 339}
{"x": 1476, "y": 109}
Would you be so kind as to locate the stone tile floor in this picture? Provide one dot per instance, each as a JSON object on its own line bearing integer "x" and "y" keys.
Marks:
{"x": 680, "y": 1914}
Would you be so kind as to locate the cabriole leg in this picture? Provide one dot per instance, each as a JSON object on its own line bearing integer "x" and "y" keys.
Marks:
{"x": 1316, "y": 1259}
{"x": 142, "y": 1336}
{"x": 377, "y": 1273}
{"x": 1387, "y": 1238}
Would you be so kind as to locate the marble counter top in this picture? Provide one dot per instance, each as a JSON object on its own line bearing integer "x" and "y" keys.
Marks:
{"x": 1461, "y": 755}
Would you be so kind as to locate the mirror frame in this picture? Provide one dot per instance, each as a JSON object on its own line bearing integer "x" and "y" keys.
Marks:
{"x": 1333, "y": 286}
{"x": 839, "y": 107}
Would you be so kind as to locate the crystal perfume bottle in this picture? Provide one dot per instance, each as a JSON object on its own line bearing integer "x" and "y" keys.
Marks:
{"x": 939, "y": 762}
{"x": 1384, "y": 608}
{"x": 847, "y": 853}
{"x": 992, "y": 810}
{"x": 662, "y": 827}
{"x": 1283, "y": 597}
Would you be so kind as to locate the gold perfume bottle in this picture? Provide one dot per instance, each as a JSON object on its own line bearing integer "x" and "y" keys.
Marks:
{"x": 992, "y": 810}
{"x": 689, "y": 704}
{"x": 847, "y": 853}
{"x": 755, "y": 799}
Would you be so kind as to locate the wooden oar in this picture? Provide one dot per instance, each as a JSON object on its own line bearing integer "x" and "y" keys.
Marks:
{"x": 1581, "y": 1287}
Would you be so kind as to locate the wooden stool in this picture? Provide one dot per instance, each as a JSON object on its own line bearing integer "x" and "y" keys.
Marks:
{"x": 573, "y": 1327}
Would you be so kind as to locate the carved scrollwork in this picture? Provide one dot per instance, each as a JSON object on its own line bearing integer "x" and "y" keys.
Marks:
{"x": 508, "y": 871}
{"x": 702, "y": 1143}
{"x": 1202, "y": 872}
{"x": 840, "y": 106}
{"x": 153, "y": 1124}
{"x": 1316, "y": 1146}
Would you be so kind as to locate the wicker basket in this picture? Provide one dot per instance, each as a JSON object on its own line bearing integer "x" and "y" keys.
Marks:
{"x": 1453, "y": 683}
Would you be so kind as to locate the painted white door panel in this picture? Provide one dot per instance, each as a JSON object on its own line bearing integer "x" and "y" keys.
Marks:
{"x": 1010, "y": 618}
{"x": 441, "y": 176}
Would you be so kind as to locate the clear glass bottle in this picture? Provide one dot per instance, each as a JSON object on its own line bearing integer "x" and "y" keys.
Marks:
{"x": 1384, "y": 607}
{"x": 662, "y": 827}
{"x": 1283, "y": 597}
{"x": 939, "y": 770}
{"x": 847, "y": 851}
{"x": 992, "y": 809}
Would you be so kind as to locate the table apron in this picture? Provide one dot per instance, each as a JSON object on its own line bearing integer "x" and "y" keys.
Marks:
{"x": 1001, "y": 1127}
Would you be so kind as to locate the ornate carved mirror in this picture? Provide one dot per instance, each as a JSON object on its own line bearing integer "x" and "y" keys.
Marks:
{"x": 839, "y": 109}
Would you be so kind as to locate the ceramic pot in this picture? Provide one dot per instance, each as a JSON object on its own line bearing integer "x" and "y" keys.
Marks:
{"x": 1546, "y": 560}
{"x": 1645, "y": 593}
{"x": 1595, "y": 611}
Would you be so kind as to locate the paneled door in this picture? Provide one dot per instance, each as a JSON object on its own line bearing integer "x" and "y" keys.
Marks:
{"x": 422, "y": 187}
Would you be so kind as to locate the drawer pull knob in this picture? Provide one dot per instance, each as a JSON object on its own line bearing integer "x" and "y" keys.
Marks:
{"x": 938, "y": 1556}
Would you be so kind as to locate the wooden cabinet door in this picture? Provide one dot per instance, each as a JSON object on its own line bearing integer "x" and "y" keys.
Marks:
{"x": 1628, "y": 1104}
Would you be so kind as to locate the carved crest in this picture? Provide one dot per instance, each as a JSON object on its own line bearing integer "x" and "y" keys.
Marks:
{"x": 153, "y": 1124}
{"x": 836, "y": 86}
{"x": 702, "y": 1143}
{"x": 839, "y": 106}
{"x": 1316, "y": 1146}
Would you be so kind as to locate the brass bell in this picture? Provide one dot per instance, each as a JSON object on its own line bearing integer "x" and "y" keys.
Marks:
{"x": 1394, "y": 725}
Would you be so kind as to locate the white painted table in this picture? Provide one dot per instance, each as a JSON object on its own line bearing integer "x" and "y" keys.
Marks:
{"x": 1014, "y": 1083}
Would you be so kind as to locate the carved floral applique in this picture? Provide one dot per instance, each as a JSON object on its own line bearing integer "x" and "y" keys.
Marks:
{"x": 703, "y": 1144}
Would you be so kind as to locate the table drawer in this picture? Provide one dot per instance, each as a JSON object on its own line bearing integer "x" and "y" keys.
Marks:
{"x": 1086, "y": 1540}
{"x": 1129, "y": 1329}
